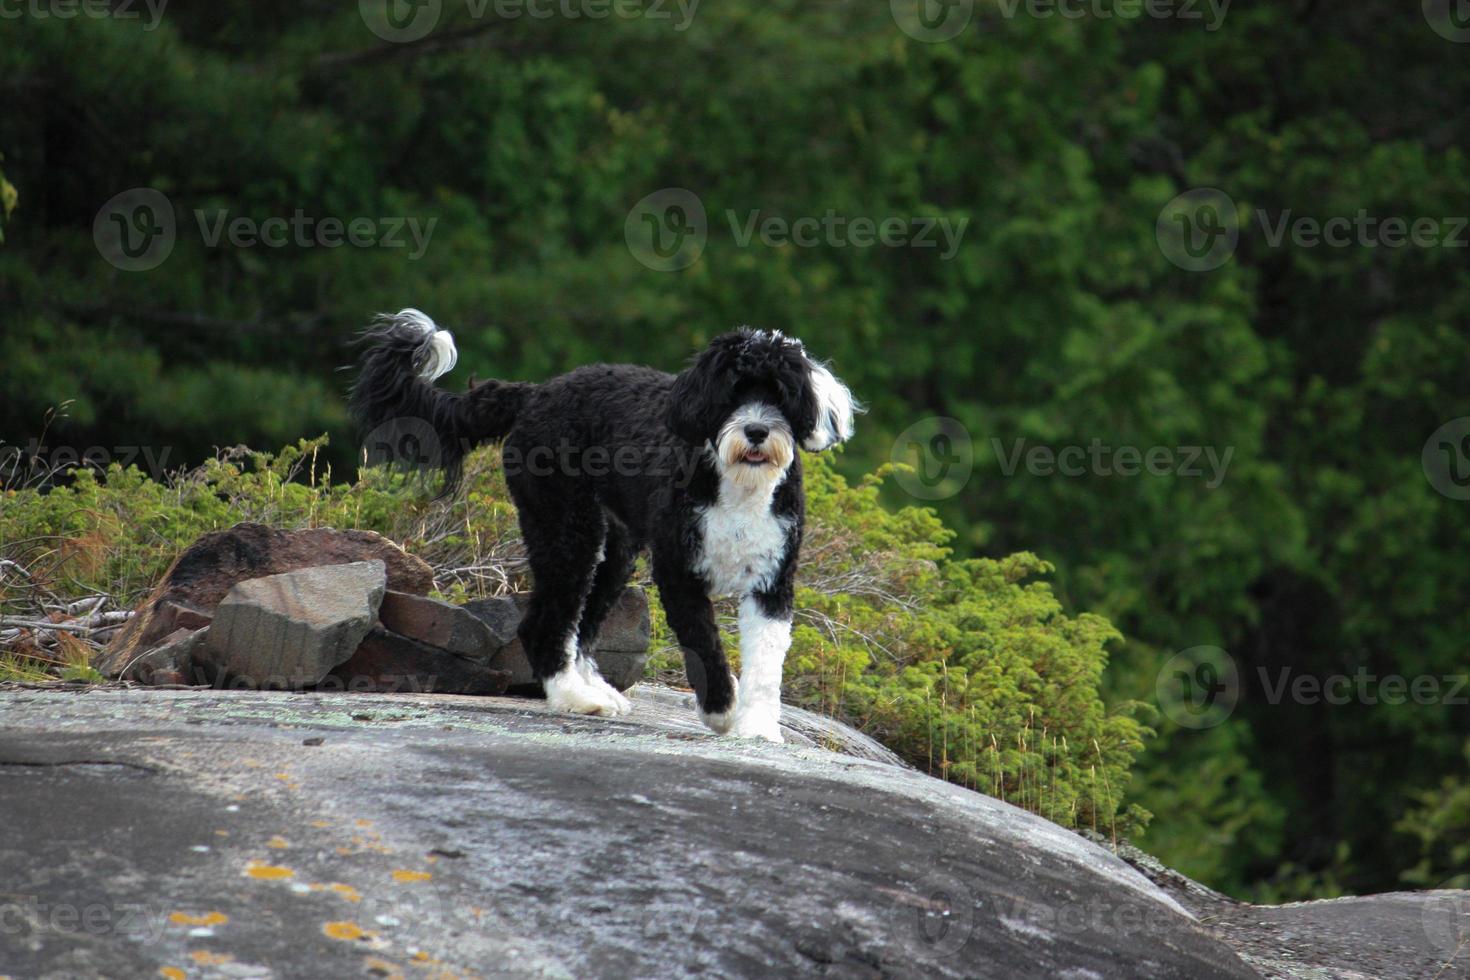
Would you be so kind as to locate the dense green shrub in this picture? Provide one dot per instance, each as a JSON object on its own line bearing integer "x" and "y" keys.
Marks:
{"x": 961, "y": 666}
{"x": 1440, "y": 822}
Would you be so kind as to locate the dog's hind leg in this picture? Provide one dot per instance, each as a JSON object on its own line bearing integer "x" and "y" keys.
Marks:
{"x": 692, "y": 618}
{"x": 563, "y": 544}
{"x": 619, "y": 555}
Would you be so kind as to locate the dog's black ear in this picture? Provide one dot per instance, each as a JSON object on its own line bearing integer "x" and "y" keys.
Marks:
{"x": 700, "y": 397}
{"x": 798, "y": 398}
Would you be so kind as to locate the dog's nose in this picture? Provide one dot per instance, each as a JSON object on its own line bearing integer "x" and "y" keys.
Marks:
{"x": 756, "y": 434}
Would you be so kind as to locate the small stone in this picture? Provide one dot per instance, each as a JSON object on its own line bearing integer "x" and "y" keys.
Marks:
{"x": 171, "y": 662}
{"x": 439, "y": 624}
{"x": 289, "y": 630}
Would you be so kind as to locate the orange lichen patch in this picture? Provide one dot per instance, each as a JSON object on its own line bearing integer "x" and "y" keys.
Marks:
{"x": 221, "y": 833}
{"x": 277, "y": 843}
{"x": 344, "y": 851}
{"x": 405, "y": 877}
{"x": 363, "y": 823}
{"x": 205, "y": 958}
{"x": 346, "y": 891}
{"x": 168, "y": 972}
{"x": 285, "y": 777}
{"x": 207, "y": 919}
{"x": 321, "y": 824}
{"x": 268, "y": 872}
{"x": 423, "y": 961}
{"x": 345, "y": 931}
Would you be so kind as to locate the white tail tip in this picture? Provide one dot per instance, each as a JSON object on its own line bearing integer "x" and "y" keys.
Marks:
{"x": 437, "y": 355}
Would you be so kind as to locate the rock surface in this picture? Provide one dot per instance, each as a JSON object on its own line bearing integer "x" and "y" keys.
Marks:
{"x": 205, "y": 572}
{"x": 621, "y": 649}
{"x": 305, "y": 835}
{"x": 1400, "y": 935}
{"x": 388, "y": 662}
{"x": 288, "y": 631}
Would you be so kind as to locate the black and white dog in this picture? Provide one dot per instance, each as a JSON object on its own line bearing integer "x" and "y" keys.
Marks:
{"x": 702, "y": 469}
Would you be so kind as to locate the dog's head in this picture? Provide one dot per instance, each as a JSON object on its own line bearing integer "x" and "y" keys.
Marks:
{"x": 754, "y": 396}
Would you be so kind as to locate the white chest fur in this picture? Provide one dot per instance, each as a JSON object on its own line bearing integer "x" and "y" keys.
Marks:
{"x": 743, "y": 542}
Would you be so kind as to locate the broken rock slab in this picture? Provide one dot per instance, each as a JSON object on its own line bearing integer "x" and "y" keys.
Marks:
{"x": 621, "y": 649}
{"x": 439, "y": 624}
{"x": 387, "y": 662}
{"x": 207, "y": 570}
{"x": 288, "y": 631}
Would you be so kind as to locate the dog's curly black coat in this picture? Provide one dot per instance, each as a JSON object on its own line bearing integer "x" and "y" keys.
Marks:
{"x": 609, "y": 459}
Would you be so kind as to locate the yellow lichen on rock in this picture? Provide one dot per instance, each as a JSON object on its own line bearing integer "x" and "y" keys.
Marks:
{"x": 268, "y": 872}
{"x": 345, "y": 931}
{"x": 406, "y": 877}
{"x": 207, "y": 919}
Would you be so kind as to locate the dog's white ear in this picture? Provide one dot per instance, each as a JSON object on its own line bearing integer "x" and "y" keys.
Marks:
{"x": 835, "y": 409}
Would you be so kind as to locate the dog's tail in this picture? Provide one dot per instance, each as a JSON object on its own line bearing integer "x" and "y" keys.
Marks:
{"x": 404, "y": 419}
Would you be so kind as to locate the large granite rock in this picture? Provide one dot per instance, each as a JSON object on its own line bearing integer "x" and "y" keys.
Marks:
{"x": 205, "y": 572}
{"x": 621, "y": 648}
{"x": 252, "y": 834}
{"x": 290, "y": 630}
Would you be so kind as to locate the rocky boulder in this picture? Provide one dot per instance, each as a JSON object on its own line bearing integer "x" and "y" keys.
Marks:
{"x": 621, "y": 648}
{"x": 439, "y": 624}
{"x": 389, "y": 662}
{"x": 207, "y": 570}
{"x": 290, "y": 630}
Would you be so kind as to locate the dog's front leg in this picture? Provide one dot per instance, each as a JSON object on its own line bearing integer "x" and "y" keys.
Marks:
{"x": 765, "y": 636}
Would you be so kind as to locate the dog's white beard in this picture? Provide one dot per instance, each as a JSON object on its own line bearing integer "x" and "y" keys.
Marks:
{"x": 731, "y": 449}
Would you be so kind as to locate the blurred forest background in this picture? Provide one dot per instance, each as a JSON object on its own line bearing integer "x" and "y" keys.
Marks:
{"x": 1058, "y": 319}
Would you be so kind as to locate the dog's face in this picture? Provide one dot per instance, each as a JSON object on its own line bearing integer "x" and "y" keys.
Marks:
{"x": 754, "y": 396}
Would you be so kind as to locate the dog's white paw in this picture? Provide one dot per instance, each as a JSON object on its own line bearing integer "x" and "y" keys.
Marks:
{"x": 718, "y": 722}
{"x": 571, "y": 691}
{"x": 758, "y": 723}
{"x": 587, "y": 667}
